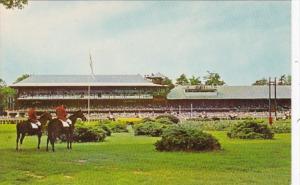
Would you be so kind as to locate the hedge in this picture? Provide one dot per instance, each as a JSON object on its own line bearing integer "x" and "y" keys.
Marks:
{"x": 149, "y": 128}
{"x": 172, "y": 118}
{"x": 250, "y": 130}
{"x": 183, "y": 138}
{"x": 86, "y": 133}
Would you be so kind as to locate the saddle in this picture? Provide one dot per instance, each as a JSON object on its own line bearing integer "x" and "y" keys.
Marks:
{"x": 35, "y": 125}
{"x": 66, "y": 123}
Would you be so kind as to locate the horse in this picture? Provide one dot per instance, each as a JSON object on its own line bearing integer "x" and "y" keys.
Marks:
{"x": 56, "y": 129}
{"x": 25, "y": 127}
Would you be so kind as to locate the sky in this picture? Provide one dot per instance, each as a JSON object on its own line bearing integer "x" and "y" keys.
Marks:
{"x": 241, "y": 40}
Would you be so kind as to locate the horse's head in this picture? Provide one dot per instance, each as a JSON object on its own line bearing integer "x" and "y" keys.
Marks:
{"x": 79, "y": 114}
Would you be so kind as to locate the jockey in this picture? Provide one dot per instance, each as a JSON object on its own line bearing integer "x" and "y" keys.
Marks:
{"x": 61, "y": 114}
{"x": 32, "y": 118}
{"x": 32, "y": 115}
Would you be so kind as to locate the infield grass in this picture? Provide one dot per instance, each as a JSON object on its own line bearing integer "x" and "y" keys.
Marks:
{"x": 129, "y": 160}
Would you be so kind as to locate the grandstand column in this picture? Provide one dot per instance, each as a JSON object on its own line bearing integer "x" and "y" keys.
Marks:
{"x": 295, "y": 92}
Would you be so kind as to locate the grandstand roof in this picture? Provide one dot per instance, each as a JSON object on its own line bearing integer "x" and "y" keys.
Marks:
{"x": 84, "y": 80}
{"x": 231, "y": 92}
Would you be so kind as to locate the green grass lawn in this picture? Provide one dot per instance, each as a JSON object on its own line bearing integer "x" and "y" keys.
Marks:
{"x": 127, "y": 159}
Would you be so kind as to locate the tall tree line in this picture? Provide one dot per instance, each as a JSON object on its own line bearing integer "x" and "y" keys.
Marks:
{"x": 211, "y": 78}
{"x": 7, "y": 93}
{"x": 281, "y": 80}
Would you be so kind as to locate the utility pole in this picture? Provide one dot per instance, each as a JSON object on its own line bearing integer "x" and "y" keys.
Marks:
{"x": 270, "y": 83}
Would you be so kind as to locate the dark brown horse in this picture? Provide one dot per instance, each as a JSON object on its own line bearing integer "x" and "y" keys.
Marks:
{"x": 56, "y": 129}
{"x": 24, "y": 128}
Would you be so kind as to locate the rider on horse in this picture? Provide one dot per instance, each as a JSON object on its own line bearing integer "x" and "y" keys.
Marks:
{"x": 61, "y": 114}
{"x": 32, "y": 118}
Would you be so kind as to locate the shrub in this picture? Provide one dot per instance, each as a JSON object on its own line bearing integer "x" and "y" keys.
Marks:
{"x": 146, "y": 119}
{"x": 183, "y": 138}
{"x": 210, "y": 125}
{"x": 117, "y": 127}
{"x": 250, "y": 130}
{"x": 129, "y": 121}
{"x": 199, "y": 119}
{"x": 149, "y": 128}
{"x": 106, "y": 129}
{"x": 165, "y": 121}
{"x": 281, "y": 126}
{"x": 172, "y": 118}
{"x": 113, "y": 126}
{"x": 84, "y": 133}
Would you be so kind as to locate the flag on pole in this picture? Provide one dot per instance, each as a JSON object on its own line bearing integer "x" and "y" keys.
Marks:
{"x": 91, "y": 66}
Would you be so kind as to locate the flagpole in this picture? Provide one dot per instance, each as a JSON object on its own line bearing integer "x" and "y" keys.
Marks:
{"x": 89, "y": 85}
{"x": 89, "y": 93}
{"x": 295, "y": 92}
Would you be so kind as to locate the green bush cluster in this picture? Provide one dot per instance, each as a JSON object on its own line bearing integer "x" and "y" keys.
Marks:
{"x": 114, "y": 126}
{"x": 210, "y": 125}
{"x": 117, "y": 127}
{"x": 106, "y": 129}
{"x": 281, "y": 126}
{"x": 183, "y": 138}
{"x": 88, "y": 133}
{"x": 149, "y": 128}
{"x": 170, "y": 117}
{"x": 155, "y": 127}
{"x": 165, "y": 121}
{"x": 250, "y": 130}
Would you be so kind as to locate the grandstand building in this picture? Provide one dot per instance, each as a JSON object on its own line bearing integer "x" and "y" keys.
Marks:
{"x": 135, "y": 93}
{"x": 48, "y": 91}
{"x": 229, "y": 98}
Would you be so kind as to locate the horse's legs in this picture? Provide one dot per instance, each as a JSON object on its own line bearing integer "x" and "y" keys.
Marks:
{"x": 21, "y": 140}
{"x": 39, "y": 139}
{"x": 47, "y": 142}
{"x": 18, "y": 138}
{"x": 71, "y": 140}
{"x": 52, "y": 143}
{"x": 68, "y": 140}
{"x": 52, "y": 140}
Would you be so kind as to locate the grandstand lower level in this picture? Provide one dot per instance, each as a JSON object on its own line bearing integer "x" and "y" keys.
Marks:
{"x": 135, "y": 94}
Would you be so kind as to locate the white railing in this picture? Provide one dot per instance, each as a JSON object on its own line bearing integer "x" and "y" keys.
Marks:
{"x": 47, "y": 97}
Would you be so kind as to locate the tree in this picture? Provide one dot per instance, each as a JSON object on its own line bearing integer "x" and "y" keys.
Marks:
{"x": 23, "y": 77}
{"x": 182, "y": 80}
{"x": 5, "y": 93}
{"x": 282, "y": 80}
{"x": 11, "y": 4}
{"x": 167, "y": 81}
{"x": 213, "y": 79}
{"x": 262, "y": 81}
{"x": 285, "y": 80}
{"x": 165, "y": 91}
{"x": 289, "y": 80}
{"x": 195, "y": 80}
{"x": 2, "y": 83}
